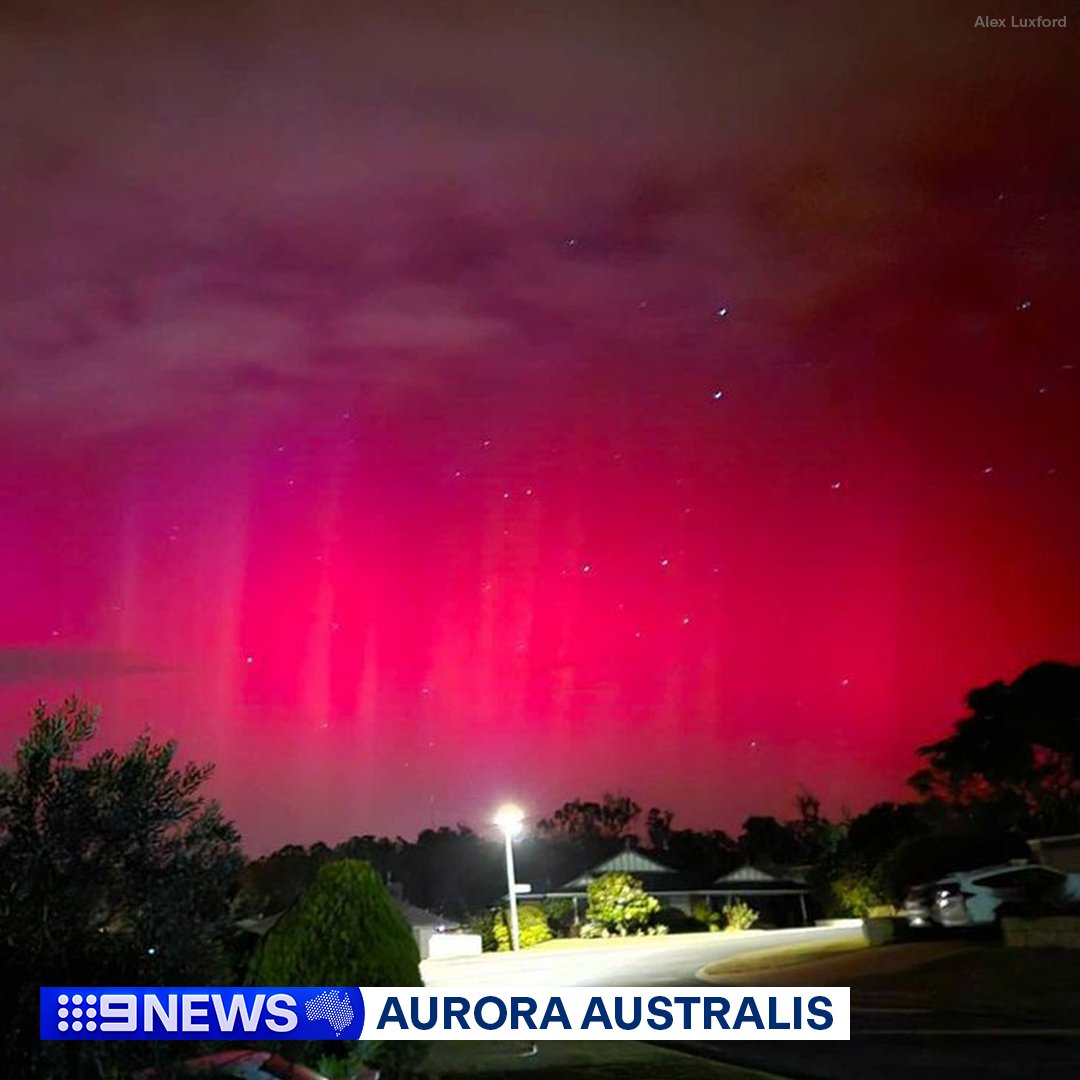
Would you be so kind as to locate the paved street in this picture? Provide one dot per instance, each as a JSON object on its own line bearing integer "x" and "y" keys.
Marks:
{"x": 668, "y": 961}
{"x": 886, "y": 1044}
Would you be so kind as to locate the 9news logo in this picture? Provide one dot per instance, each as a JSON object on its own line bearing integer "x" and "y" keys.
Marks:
{"x": 201, "y": 1012}
{"x": 76, "y": 1008}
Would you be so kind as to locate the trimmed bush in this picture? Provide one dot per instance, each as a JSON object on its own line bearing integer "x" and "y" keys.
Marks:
{"x": 619, "y": 906}
{"x": 343, "y": 931}
{"x": 533, "y": 928}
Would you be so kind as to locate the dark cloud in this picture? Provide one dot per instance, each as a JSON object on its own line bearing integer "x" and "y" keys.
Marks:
{"x": 204, "y": 204}
{"x": 24, "y": 665}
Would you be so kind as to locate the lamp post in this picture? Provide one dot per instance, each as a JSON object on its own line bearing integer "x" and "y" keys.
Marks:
{"x": 509, "y": 819}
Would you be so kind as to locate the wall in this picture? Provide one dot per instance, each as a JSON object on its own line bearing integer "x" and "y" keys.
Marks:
{"x": 1053, "y": 932}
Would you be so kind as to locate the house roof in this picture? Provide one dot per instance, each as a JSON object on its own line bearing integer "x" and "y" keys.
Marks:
{"x": 751, "y": 879}
{"x": 625, "y": 862}
{"x": 416, "y": 917}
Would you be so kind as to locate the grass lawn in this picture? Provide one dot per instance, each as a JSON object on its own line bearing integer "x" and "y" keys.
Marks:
{"x": 575, "y": 1061}
{"x": 985, "y": 978}
{"x": 766, "y": 960}
{"x": 947, "y": 975}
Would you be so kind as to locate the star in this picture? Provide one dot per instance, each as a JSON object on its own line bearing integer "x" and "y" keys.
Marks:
{"x": 722, "y": 313}
{"x": 717, "y": 395}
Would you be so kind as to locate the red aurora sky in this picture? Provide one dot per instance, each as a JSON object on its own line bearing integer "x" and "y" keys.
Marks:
{"x": 408, "y": 406}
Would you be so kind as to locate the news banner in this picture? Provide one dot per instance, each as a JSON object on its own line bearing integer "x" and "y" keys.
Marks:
{"x": 412, "y": 1013}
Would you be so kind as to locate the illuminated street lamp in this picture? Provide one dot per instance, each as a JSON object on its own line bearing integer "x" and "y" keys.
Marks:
{"x": 509, "y": 819}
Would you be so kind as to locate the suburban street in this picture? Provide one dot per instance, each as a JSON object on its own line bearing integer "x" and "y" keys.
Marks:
{"x": 668, "y": 961}
{"x": 888, "y": 1042}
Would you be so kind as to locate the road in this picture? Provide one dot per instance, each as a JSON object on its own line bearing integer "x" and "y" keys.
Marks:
{"x": 886, "y": 1044}
{"x": 667, "y": 961}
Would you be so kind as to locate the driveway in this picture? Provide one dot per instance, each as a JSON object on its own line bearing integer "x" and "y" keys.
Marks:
{"x": 660, "y": 961}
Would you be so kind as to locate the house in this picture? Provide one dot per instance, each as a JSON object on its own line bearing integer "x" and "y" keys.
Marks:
{"x": 1059, "y": 852}
{"x": 780, "y": 900}
{"x": 423, "y": 924}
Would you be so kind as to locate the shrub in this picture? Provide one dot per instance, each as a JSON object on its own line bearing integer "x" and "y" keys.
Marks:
{"x": 619, "y": 904}
{"x": 739, "y": 915}
{"x": 856, "y": 893}
{"x": 533, "y": 927}
{"x": 676, "y": 921}
{"x": 483, "y": 924}
{"x": 596, "y": 930}
{"x": 343, "y": 931}
{"x": 704, "y": 914}
{"x": 560, "y": 915}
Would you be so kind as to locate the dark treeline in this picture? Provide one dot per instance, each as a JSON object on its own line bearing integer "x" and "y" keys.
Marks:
{"x": 1008, "y": 771}
{"x": 117, "y": 869}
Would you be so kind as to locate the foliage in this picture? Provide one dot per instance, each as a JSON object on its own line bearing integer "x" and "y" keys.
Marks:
{"x": 596, "y": 930}
{"x": 1018, "y": 748}
{"x": 483, "y": 924}
{"x": 855, "y": 894}
{"x": 610, "y": 819}
{"x": 560, "y": 915}
{"x": 676, "y": 921}
{"x": 704, "y": 914}
{"x": 711, "y": 853}
{"x": 619, "y": 904}
{"x": 453, "y": 871}
{"x": 739, "y": 915}
{"x": 343, "y": 931}
{"x": 878, "y": 831}
{"x": 925, "y": 858}
{"x": 117, "y": 870}
{"x": 767, "y": 843}
{"x": 533, "y": 928}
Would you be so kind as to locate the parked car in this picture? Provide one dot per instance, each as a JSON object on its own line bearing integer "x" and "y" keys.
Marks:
{"x": 985, "y": 896}
{"x": 918, "y": 905}
{"x": 247, "y": 1065}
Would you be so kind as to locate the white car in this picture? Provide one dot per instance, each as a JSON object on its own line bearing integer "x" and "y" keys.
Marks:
{"x": 985, "y": 896}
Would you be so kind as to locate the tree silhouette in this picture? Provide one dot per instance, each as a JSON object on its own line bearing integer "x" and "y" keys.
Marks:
{"x": 1019, "y": 748}
{"x": 115, "y": 869}
{"x": 610, "y": 819}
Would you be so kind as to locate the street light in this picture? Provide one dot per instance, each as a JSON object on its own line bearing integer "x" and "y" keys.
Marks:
{"x": 509, "y": 818}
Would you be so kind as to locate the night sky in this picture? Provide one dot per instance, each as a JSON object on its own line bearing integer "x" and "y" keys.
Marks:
{"x": 409, "y": 406}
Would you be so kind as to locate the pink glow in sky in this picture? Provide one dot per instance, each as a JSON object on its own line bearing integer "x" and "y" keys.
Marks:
{"x": 413, "y": 406}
